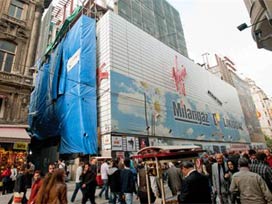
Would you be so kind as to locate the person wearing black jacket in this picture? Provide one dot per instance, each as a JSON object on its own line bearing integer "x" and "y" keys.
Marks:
{"x": 127, "y": 183}
{"x": 195, "y": 186}
{"x": 88, "y": 184}
{"x": 114, "y": 182}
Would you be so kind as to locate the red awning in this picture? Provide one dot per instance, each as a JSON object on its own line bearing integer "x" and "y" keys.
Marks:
{"x": 12, "y": 135}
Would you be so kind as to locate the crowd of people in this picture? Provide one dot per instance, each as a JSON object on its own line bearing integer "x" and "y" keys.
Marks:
{"x": 233, "y": 178}
{"x": 230, "y": 178}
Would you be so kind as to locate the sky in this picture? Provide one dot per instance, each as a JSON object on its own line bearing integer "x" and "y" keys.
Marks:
{"x": 210, "y": 26}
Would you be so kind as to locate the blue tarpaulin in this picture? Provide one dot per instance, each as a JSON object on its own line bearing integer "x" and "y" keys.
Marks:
{"x": 63, "y": 102}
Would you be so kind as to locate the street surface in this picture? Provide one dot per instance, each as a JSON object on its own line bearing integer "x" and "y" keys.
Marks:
{"x": 70, "y": 189}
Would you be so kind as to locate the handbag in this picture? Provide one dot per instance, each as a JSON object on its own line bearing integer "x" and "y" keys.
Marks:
{"x": 17, "y": 198}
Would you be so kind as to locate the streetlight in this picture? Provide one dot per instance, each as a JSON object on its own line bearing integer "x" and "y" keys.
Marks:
{"x": 244, "y": 26}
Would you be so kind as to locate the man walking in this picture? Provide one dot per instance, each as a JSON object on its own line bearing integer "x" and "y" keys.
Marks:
{"x": 78, "y": 180}
{"x": 195, "y": 186}
{"x": 174, "y": 178}
{"x": 220, "y": 180}
{"x": 251, "y": 187}
{"x": 88, "y": 184}
{"x": 104, "y": 176}
{"x": 262, "y": 169}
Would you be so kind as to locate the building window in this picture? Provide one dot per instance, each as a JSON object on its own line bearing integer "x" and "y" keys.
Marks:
{"x": 2, "y": 107}
{"x": 7, "y": 53}
{"x": 16, "y": 9}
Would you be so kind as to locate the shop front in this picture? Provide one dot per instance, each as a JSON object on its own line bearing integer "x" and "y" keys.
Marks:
{"x": 13, "y": 146}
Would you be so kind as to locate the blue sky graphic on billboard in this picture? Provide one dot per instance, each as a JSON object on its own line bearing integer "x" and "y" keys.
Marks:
{"x": 139, "y": 108}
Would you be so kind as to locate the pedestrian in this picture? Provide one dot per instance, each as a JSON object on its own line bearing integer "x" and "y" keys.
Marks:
{"x": 88, "y": 184}
{"x": 29, "y": 173}
{"x": 6, "y": 181}
{"x": 252, "y": 156}
{"x": 46, "y": 179}
{"x": 35, "y": 187}
{"x": 220, "y": 180}
{"x": 104, "y": 176}
{"x": 268, "y": 157}
{"x": 78, "y": 180}
{"x": 127, "y": 183}
{"x": 114, "y": 182}
{"x": 232, "y": 168}
{"x": 174, "y": 178}
{"x": 250, "y": 186}
{"x": 13, "y": 176}
{"x": 55, "y": 191}
{"x": 261, "y": 167}
{"x": 20, "y": 185}
{"x": 195, "y": 187}
{"x": 144, "y": 187}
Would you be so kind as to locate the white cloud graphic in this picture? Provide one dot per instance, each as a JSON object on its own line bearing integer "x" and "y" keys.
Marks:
{"x": 114, "y": 125}
{"x": 190, "y": 131}
{"x": 131, "y": 104}
{"x": 161, "y": 130}
{"x": 201, "y": 137}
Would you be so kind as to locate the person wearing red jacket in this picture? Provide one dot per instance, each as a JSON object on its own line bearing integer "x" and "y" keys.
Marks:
{"x": 6, "y": 180}
{"x": 35, "y": 187}
{"x": 268, "y": 157}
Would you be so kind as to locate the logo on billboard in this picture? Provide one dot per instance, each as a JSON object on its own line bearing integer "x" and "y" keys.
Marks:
{"x": 179, "y": 77}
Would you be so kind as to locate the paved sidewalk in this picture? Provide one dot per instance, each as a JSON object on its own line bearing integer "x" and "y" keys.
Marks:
{"x": 70, "y": 189}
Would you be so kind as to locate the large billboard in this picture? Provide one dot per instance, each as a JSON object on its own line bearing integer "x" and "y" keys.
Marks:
{"x": 155, "y": 91}
{"x": 139, "y": 108}
{"x": 249, "y": 109}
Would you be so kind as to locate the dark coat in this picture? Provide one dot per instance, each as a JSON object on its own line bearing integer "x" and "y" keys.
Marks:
{"x": 20, "y": 183}
{"x": 114, "y": 180}
{"x": 195, "y": 189}
{"x": 127, "y": 181}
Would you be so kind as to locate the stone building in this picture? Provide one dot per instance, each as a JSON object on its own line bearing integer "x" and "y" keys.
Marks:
{"x": 260, "y": 13}
{"x": 19, "y": 26}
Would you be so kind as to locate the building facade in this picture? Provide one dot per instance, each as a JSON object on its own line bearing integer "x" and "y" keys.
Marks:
{"x": 263, "y": 108}
{"x": 260, "y": 12}
{"x": 155, "y": 96}
{"x": 225, "y": 70}
{"x": 158, "y": 18}
{"x": 19, "y": 22}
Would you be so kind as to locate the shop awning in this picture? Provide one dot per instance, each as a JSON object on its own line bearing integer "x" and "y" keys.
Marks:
{"x": 12, "y": 135}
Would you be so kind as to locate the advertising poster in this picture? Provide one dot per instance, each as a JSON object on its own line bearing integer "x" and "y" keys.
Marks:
{"x": 131, "y": 144}
{"x": 117, "y": 143}
{"x": 143, "y": 142}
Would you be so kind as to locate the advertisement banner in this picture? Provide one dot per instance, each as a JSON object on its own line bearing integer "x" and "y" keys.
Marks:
{"x": 116, "y": 144}
{"x": 157, "y": 112}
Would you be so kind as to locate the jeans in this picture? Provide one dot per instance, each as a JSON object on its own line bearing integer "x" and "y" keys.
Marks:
{"x": 105, "y": 188}
{"x": 78, "y": 186}
{"x": 113, "y": 197}
{"x": 129, "y": 198}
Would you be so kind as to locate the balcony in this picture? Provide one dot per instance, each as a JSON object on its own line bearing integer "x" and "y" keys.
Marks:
{"x": 16, "y": 79}
{"x": 15, "y": 21}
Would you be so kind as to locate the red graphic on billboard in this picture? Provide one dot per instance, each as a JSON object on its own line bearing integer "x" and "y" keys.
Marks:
{"x": 179, "y": 77}
{"x": 100, "y": 74}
